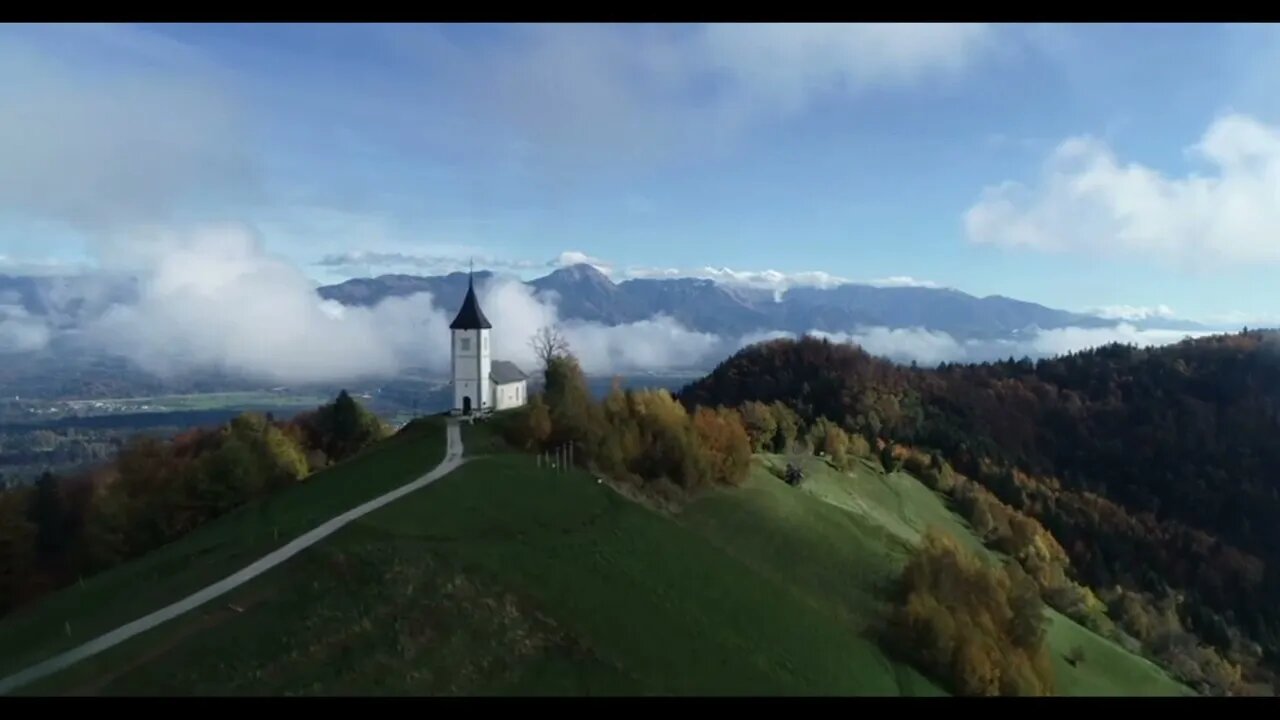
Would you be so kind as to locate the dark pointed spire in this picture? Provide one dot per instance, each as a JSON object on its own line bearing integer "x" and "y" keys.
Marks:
{"x": 470, "y": 316}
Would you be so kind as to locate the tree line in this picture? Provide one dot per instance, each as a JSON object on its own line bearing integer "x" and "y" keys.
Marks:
{"x": 642, "y": 437}
{"x": 154, "y": 491}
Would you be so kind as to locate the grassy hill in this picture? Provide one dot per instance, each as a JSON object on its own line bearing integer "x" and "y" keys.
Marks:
{"x": 504, "y": 578}
{"x": 83, "y": 611}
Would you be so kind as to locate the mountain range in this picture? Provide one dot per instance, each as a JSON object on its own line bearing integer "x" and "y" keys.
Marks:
{"x": 582, "y": 292}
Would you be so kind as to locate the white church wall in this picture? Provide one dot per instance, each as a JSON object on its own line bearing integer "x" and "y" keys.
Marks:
{"x": 509, "y": 396}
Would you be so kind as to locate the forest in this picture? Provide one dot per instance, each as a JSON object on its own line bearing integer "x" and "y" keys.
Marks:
{"x": 1154, "y": 469}
{"x": 154, "y": 490}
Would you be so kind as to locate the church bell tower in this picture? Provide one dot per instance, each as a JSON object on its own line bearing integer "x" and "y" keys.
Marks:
{"x": 472, "y": 390}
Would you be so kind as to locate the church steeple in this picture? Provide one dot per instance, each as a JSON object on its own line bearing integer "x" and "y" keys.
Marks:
{"x": 470, "y": 316}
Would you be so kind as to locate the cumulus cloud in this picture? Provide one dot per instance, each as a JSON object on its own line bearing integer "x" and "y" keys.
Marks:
{"x": 214, "y": 299}
{"x": 1089, "y": 200}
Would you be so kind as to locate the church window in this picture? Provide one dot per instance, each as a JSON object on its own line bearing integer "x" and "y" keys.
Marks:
{"x": 464, "y": 344}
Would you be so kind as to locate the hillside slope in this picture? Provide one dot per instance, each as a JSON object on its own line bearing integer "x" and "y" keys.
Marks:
{"x": 505, "y": 578}
{"x": 1154, "y": 468}
{"x": 83, "y": 611}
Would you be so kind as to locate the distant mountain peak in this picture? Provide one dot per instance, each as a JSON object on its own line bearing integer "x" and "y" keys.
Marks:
{"x": 580, "y": 272}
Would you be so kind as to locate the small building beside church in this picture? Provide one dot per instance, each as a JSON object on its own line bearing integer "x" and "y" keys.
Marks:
{"x": 480, "y": 384}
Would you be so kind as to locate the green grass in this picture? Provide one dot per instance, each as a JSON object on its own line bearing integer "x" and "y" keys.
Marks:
{"x": 901, "y": 508}
{"x": 128, "y": 591}
{"x": 503, "y": 578}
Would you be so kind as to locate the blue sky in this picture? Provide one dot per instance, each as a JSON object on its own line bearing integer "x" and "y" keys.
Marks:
{"x": 1077, "y": 166}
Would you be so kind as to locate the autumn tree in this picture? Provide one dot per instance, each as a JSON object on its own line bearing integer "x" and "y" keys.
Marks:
{"x": 976, "y": 627}
{"x": 835, "y": 444}
{"x": 722, "y": 437}
{"x": 761, "y": 425}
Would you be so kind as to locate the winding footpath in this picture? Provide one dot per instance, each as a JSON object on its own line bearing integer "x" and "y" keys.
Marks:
{"x": 452, "y": 459}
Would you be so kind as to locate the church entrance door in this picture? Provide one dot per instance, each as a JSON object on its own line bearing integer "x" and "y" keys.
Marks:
{"x": 466, "y": 404}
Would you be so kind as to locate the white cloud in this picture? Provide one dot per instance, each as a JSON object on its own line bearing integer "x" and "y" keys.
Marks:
{"x": 619, "y": 96}
{"x": 20, "y": 331}
{"x": 40, "y": 267}
{"x": 787, "y": 66}
{"x": 577, "y": 257}
{"x": 1088, "y": 200}
{"x": 902, "y": 281}
{"x": 1131, "y": 312}
{"x": 374, "y": 262}
{"x": 930, "y": 347}
{"x": 926, "y": 347}
{"x": 214, "y": 299}
{"x": 762, "y": 279}
{"x": 117, "y": 142}
{"x": 1237, "y": 319}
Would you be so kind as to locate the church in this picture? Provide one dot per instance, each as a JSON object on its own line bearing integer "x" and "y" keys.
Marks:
{"x": 481, "y": 385}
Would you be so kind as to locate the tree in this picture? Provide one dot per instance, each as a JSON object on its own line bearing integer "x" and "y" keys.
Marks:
{"x": 538, "y": 428}
{"x": 835, "y": 443}
{"x": 575, "y": 417}
{"x": 761, "y": 425}
{"x": 17, "y": 548}
{"x": 722, "y": 438}
{"x": 889, "y": 459}
{"x": 49, "y": 517}
{"x": 548, "y": 344}
{"x": 978, "y": 627}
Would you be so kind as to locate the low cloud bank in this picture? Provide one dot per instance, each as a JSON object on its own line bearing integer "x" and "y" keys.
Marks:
{"x": 214, "y": 299}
